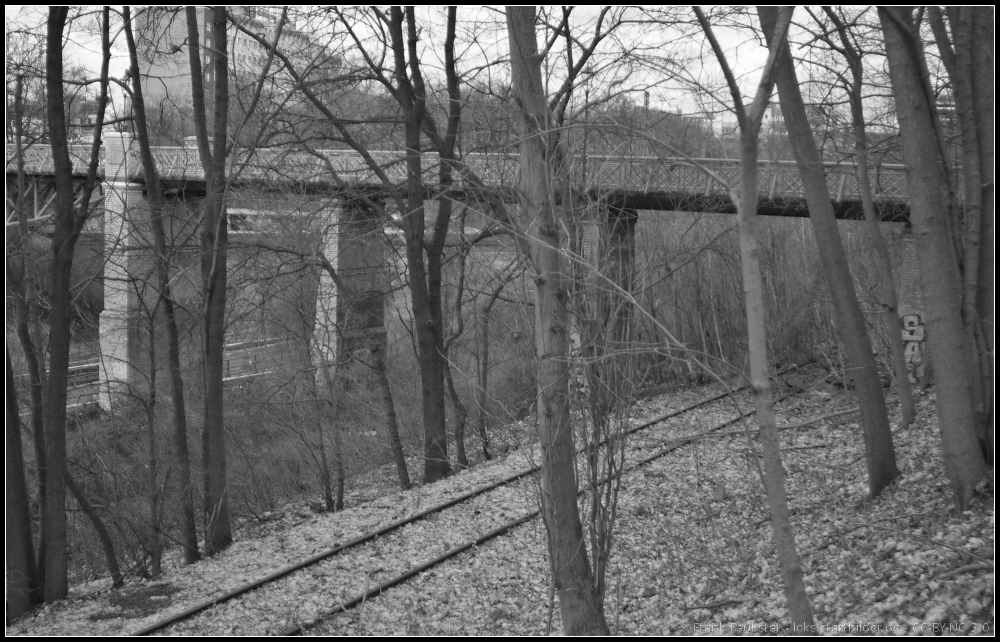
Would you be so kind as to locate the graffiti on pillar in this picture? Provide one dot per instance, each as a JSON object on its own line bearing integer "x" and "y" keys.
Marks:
{"x": 913, "y": 338}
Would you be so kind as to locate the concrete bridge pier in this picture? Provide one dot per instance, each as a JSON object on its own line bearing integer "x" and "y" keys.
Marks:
{"x": 119, "y": 327}
{"x": 347, "y": 321}
{"x": 602, "y": 318}
{"x": 607, "y": 243}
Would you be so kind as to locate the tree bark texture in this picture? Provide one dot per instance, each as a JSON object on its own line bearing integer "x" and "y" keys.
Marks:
{"x": 879, "y": 453}
{"x": 941, "y": 283}
{"x": 578, "y": 601}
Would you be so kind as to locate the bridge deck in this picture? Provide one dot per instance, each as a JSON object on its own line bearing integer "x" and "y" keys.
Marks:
{"x": 643, "y": 175}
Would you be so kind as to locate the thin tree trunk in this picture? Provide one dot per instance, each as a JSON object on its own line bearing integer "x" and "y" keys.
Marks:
{"x": 483, "y": 362}
{"x": 461, "y": 416}
{"x": 940, "y": 279}
{"x": 483, "y": 367}
{"x": 879, "y": 453}
{"x": 792, "y": 575}
{"x": 391, "y": 424}
{"x": 456, "y": 328}
{"x": 578, "y": 602}
{"x": 21, "y": 572}
{"x": 330, "y": 375}
{"x": 28, "y": 326}
{"x": 425, "y": 278}
{"x": 325, "y": 478}
{"x": 890, "y": 302}
{"x": 214, "y": 242}
{"x": 102, "y": 532}
{"x": 961, "y": 62}
{"x": 67, "y": 228}
{"x": 154, "y": 194}
{"x": 16, "y": 279}
{"x": 152, "y": 487}
{"x": 324, "y": 465}
{"x": 983, "y": 95}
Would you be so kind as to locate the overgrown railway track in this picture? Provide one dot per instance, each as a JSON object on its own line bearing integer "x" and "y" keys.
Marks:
{"x": 360, "y": 569}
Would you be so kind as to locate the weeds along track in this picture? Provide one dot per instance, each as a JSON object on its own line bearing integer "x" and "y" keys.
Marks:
{"x": 300, "y": 596}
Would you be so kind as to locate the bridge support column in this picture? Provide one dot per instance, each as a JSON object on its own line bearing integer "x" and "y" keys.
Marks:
{"x": 118, "y": 328}
{"x": 602, "y": 318}
{"x": 347, "y": 319}
{"x": 608, "y": 244}
{"x": 911, "y": 309}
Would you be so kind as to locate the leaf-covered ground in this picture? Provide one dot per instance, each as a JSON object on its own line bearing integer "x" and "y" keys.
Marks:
{"x": 692, "y": 556}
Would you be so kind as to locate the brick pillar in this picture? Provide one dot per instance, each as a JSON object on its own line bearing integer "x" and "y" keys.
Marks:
{"x": 911, "y": 308}
{"x": 118, "y": 329}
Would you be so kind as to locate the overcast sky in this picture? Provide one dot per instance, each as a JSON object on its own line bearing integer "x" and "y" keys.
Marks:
{"x": 744, "y": 52}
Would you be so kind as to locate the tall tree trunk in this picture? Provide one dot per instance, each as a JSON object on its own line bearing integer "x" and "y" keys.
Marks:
{"x": 67, "y": 228}
{"x": 456, "y": 328}
{"x": 21, "y": 573}
{"x": 887, "y": 283}
{"x": 879, "y": 453}
{"x": 983, "y": 95}
{"x": 425, "y": 279}
{"x": 578, "y": 602}
{"x": 792, "y": 575}
{"x": 214, "y": 242}
{"x": 975, "y": 117}
{"x": 940, "y": 279}
{"x": 154, "y": 195}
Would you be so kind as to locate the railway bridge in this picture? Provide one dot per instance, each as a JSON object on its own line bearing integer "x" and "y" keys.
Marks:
{"x": 327, "y": 201}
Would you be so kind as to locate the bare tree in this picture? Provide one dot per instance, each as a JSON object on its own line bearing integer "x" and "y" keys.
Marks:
{"x": 753, "y": 290}
{"x": 890, "y": 301}
{"x": 941, "y": 280}
{"x": 154, "y": 195}
{"x": 879, "y": 453}
{"x": 214, "y": 242}
{"x": 21, "y": 286}
{"x": 69, "y": 220}
{"x": 540, "y": 170}
{"x": 968, "y": 58}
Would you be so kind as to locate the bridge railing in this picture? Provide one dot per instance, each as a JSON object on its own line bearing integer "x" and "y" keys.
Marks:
{"x": 38, "y": 159}
{"x": 777, "y": 179}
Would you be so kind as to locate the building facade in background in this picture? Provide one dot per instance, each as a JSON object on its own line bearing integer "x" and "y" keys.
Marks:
{"x": 162, "y": 42}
